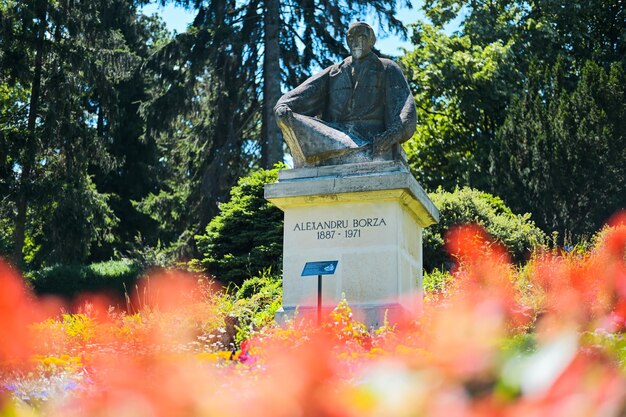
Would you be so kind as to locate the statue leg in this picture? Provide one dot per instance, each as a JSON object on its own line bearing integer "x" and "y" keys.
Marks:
{"x": 313, "y": 141}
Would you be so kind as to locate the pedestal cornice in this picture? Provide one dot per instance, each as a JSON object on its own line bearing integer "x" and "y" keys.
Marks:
{"x": 389, "y": 180}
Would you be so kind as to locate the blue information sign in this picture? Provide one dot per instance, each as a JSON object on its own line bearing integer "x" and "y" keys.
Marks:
{"x": 319, "y": 268}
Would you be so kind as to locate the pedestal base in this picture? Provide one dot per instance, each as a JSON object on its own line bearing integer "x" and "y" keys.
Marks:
{"x": 369, "y": 217}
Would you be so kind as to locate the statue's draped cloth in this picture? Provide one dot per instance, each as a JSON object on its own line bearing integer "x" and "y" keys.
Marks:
{"x": 340, "y": 110}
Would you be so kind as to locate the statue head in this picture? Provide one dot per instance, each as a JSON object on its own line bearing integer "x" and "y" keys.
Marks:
{"x": 360, "y": 39}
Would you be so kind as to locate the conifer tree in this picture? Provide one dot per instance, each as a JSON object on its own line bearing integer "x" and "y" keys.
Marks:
{"x": 560, "y": 154}
{"x": 69, "y": 59}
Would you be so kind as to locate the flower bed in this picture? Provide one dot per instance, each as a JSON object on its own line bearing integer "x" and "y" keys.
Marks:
{"x": 495, "y": 340}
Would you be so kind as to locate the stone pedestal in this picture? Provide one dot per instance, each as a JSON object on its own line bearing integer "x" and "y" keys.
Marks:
{"x": 369, "y": 217}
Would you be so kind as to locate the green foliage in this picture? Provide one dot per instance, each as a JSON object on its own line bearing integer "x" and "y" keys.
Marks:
{"x": 169, "y": 217}
{"x": 255, "y": 303}
{"x": 561, "y": 153}
{"x": 150, "y": 256}
{"x": 70, "y": 132}
{"x": 613, "y": 343}
{"x": 516, "y": 232}
{"x": 113, "y": 277}
{"x": 526, "y": 101}
{"x": 436, "y": 281}
{"x": 199, "y": 165}
{"x": 460, "y": 88}
{"x": 202, "y": 114}
{"x": 521, "y": 344}
{"x": 80, "y": 219}
{"x": 6, "y": 236}
{"x": 246, "y": 236}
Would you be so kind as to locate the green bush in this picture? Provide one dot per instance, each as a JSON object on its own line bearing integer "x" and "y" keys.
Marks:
{"x": 71, "y": 280}
{"x": 246, "y": 236}
{"x": 436, "y": 281}
{"x": 254, "y": 303}
{"x": 516, "y": 232}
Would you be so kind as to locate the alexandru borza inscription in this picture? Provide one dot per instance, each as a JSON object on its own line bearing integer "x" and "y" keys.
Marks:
{"x": 344, "y": 228}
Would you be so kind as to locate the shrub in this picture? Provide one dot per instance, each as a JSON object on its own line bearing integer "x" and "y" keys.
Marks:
{"x": 436, "y": 281}
{"x": 255, "y": 303}
{"x": 516, "y": 232}
{"x": 71, "y": 280}
{"x": 246, "y": 236}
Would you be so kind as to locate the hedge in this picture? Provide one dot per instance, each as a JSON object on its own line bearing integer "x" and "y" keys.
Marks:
{"x": 64, "y": 280}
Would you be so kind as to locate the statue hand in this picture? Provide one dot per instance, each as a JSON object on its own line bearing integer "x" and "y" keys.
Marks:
{"x": 384, "y": 141}
{"x": 283, "y": 112}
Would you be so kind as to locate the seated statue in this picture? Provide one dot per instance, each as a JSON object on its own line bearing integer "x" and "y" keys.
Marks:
{"x": 356, "y": 111}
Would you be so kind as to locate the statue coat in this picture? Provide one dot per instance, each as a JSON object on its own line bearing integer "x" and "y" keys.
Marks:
{"x": 378, "y": 96}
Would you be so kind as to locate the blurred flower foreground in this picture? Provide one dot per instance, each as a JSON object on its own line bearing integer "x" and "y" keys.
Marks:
{"x": 544, "y": 339}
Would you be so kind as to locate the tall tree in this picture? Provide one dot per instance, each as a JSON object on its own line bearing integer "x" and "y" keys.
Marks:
{"x": 560, "y": 154}
{"x": 465, "y": 81}
{"x": 460, "y": 89}
{"x": 134, "y": 169}
{"x": 272, "y": 139}
{"x": 69, "y": 57}
{"x": 479, "y": 82}
{"x": 202, "y": 113}
{"x": 32, "y": 22}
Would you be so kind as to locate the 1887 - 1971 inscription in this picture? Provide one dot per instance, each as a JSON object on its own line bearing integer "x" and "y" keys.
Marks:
{"x": 342, "y": 228}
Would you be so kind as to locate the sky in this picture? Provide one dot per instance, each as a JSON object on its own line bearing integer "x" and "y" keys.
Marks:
{"x": 177, "y": 18}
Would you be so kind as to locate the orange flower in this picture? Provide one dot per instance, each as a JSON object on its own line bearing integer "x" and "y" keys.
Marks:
{"x": 18, "y": 310}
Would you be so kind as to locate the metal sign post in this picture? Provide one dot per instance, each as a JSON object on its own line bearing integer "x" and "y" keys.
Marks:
{"x": 319, "y": 268}
{"x": 319, "y": 300}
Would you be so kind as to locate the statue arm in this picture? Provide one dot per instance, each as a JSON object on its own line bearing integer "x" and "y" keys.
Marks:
{"x": 400, "y": 112}
{"x": 308, "y": 99}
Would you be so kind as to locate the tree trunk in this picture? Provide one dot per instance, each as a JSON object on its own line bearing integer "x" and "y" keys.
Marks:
{"x": 24, "y": 188}
{"x": 272, "y": 149}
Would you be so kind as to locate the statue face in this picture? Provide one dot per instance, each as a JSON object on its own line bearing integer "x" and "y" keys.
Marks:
{"x": 359, "y": 42}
